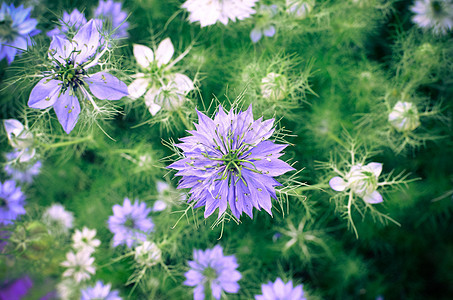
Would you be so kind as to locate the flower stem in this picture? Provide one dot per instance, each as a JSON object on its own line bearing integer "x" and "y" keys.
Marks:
{"x": 67, "y": 143}
{"x": 183, "y": 119}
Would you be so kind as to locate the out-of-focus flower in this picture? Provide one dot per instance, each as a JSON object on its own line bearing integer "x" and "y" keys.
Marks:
{"x": 278, "y": 290}
{"x": 20, "y": 138}
{"x": 16, "y": 28}
{"x": 113, "y": 17}
{"x": 70, "y": 22}
{"x": 21, "y": 172}
{"x": 130, "y": 223}
{"x": 100, "y": 291}
{"x": 210, "y": 268}
{"x": 147, "y": 254}
{"x": 67, "y": 289}
{"x": 299, "y": 8}
{"x": 362, "y": 181}
{"x": 436, "y": 15}
{"x": 79, "y": 265}
{"x": 167, "y": 196}
{"x": 264, "y": 25}
{"x": 62, "y": 86}
{"x": 230, "y": 160}
{"x": 208, "y": 12}
{"x": 16, "y": 290}
{"x": 12, "y": 202}
{"x": 85, "y": 240}
{"x": 162, "y": 90}
{"x": 404, "y": 116}
{"x": 57, "y": 218}
{"x": 274, "y": 86}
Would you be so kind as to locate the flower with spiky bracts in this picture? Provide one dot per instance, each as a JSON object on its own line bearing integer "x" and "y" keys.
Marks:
{"x": 72, "y": 21}
{"x": 16, "y": 28}
{"x": 230, "y": 161}
{"x": 436, "y": 15}
{"x": 113, "y": 17}
{"x": 67, "y": 82}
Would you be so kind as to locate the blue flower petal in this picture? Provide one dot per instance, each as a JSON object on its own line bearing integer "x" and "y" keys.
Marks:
{"x": 106, "y": 86}
{"x": 67, "y": 109}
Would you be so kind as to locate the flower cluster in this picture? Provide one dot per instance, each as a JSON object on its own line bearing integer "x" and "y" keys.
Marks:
{"x": 230, "y": 161}
{"x": 16, "y": 28}
{"x": 161, "y": 87}
{"x": 66, "y": 82}
{"x": 211, "y": 269}
{"x": 208, "y": 12}
{"x": 130, "y": 223}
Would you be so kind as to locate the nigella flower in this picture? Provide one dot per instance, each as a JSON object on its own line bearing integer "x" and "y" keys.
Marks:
{"x": 264, "y": 25}
{"x": 67, "y": 82}
{"x": 404, "y": 116}
{"x": 362, "y": 181}
{"x": 58, "y": 219}
{"x": 100, "y": 291}
{"x": 85, "y": 240}
{"x": 21, "y": 139}
{"x": 16, "y": 28}
{"x": 70, "y": 23}
{"x": 162, "y": 88}
{"x": 299, "y": 8}
{"x": 434, "y": 14}
{"x": 167, "y": 196}
{"x": 231, "y": 161}
{"x": 278, "y": 290}
{"x": 130, "y": 223}
{"x": 114, "y": 18}
{"x": 211, "y": 269}
{"x": 147, "y": 254}
{"x": 79, "y": 265}
{"x": 274, "y": 86}
{"x": 12, "y": 202}
{"x": 208, "y": 12}
{"x": 21, "y": 172}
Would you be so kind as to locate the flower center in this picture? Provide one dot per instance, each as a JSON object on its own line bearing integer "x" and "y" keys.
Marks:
{"x": 71, "y": 76}
{"x": 232, "y": 161}
{"x": 130, "y": 223}
{"x": 210, "y": 273}
{"x": 6, "y": 30}
{"x": 436, "y": 7}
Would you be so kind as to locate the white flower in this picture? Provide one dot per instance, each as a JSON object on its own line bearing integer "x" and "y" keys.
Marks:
{"x": 274, "y": 86}
{"x": 148, "y": 254}
{"x": 85, "y": 240}
{"x": 208, "y": 12}
{"x": 79, "y": 265}
{"x": 162, "y": 90}
{"x": 58, "y": 218}
{"x": 434, "y": 14}
{"x": 404, "y": 116}
{"x": 362, "y": 181}
{"x": 67, "y": 289}
{"x": 20, "y": 138}
{"x": 299, "y": 8}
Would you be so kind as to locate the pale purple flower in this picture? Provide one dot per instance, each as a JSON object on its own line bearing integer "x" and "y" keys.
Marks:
{"x": 12, "y": 202}
{"x": 264, "y": 25}
{"x": 130, "y": 223}
{"x": 67, "y": 82}
{"x": 230, "y": 161}
{"x": 100, "y": 291}
{"x": 72, "y": 21}
{"x": 20, "y": 138}
{"x": 21, "y": 172}
{"x": 211, "y": 269}
{"x": 278, "y": 290}
{"x": 436, "y": 15}
{"x": 16, "y": 28}
{"x": 114, "y": 18}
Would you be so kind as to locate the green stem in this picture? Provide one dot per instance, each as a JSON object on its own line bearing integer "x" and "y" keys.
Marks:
{"x": 183, "y": 119}
{"x": 67, "y": 143}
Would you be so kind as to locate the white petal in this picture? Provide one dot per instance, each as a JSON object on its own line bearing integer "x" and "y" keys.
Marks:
{"x": 164, "y": 52}
{"x": 373, "y": 198}
{"x": 13, "y": 126}
{"x": 376, "y": 168}
{"x": 154, "y": 109}
{"x": 183, "y": 83}
{"x": 143, "y": 55}
{"x": 138, "y": 87}
{"x": 337, "y": 184}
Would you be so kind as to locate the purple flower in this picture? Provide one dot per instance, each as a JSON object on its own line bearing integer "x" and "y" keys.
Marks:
{"x": 212, "y": 268}
{"x": 130, "y": 223}
{"x": 12, "y": 202}
{"x": 264, "y": 24}
{"x": 16, "y": 290}
{"x": 230, "y": 161}
{"x": 114, "y": 18}
{"x": 100, "y": 291}
{"x": 66, "y": 83}
{"x": 72, "y": 21}
{"x": 16, "y": 28}
{"x": 21, "y": 172}
{"x": 278, "y": 290}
